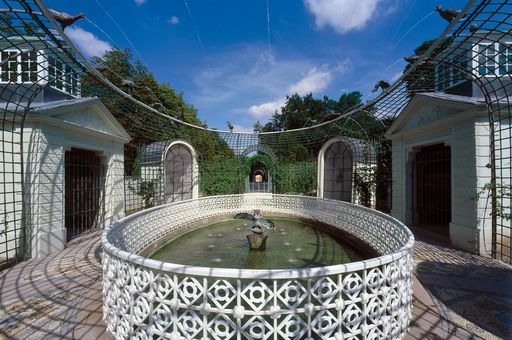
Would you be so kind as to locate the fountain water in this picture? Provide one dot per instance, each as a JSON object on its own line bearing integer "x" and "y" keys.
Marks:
{"x": 303, "y": 242}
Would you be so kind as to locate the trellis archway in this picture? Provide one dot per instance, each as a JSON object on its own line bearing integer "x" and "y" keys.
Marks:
{"x": 335, "y": 171}
{"x": 339, "y": 160}
{"x": 180, "y": 172}
{"x": 259, "y": 168}
{"x": 260, "y": 148}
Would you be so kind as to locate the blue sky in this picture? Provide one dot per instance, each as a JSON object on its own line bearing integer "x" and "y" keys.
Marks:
{"x": 231, "y": 66}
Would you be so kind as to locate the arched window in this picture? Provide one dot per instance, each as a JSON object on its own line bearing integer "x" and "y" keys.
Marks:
{"x": 179, "y": 173}
{"x": 337, "y": 172}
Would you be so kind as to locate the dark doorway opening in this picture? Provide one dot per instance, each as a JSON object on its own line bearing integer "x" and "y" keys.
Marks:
{"x": 258, "y": 179}
{"x": 432, "y": 189}
{"x": 83, "y": 191}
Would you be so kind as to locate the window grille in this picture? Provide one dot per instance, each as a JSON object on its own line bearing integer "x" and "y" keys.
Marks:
{"x": 21, "y": 67}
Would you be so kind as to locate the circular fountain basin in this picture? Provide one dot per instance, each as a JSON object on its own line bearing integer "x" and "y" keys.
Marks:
{"x": 294, "y": 243}
{"x": 148, "y": 298}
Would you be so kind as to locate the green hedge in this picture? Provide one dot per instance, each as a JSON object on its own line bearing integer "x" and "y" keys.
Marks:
{"x": 225, "y": 176}
{"x": 219, "y": 177}
{"x": 297, "y": 178}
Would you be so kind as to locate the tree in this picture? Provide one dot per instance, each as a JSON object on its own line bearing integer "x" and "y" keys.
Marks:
{"x": 8, "y": 27}
{"x": 144, "y": 126}
{"x": 257, "y": 127}
{"x": 297, "y": 113}
{"x": 346, "y": 102}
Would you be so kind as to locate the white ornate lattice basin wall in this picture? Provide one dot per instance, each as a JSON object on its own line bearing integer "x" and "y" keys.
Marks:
{"x": 145, "y": 298}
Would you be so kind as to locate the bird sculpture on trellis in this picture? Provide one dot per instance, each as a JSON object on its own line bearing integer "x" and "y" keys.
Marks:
{"x": 412, "y": 59}
{"x": 130, "y": 85}
{"x": 65, "y": 19}
{"x": 230, "y": 126}
{"x": 382, "y": 84}
{"x": 449, "y": 13}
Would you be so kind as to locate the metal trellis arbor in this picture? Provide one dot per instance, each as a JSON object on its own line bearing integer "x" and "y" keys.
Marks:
{"x": 37, "y": 59}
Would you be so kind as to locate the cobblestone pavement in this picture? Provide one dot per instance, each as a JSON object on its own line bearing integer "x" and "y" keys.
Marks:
{"x": 472, "y": 294}
{"x": 54, "y": 297}
{"x": 461, "y": 296}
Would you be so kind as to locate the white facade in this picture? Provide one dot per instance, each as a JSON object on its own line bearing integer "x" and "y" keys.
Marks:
{"x": 30, "y": 60}
{"x": 461, "y": 123}
{"x": 49, "y": 132}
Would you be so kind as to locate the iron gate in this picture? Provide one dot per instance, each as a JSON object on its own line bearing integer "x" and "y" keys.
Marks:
{"x": 432, "y": 188}
{"x": 84, "y": 184}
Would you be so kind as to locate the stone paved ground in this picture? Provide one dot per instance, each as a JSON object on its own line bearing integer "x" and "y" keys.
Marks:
{"x": 461, "y": 296}
{"x": 473, "y": 294}
{"x": 58, "y": 296}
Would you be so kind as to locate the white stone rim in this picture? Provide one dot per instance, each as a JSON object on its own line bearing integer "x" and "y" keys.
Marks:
{"x": 292, "y": 273}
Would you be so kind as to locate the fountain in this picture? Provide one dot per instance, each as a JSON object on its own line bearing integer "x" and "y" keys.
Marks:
{"x": 306, "y": 284}
{"x": 258, "y": 237}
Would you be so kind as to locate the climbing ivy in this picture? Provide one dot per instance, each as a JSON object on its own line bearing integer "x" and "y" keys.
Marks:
{"x": 503, "y": 194}
{"x": 147, "y": 190}
{"x": 219, "y": 176}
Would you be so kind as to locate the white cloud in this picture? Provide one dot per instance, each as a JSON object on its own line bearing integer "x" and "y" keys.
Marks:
{"x": 87, "y": 42}
{"x": 241, "y": 128}
{"x": 248, "y": 84}
{"x": 245, "y": 74}
{"x": 315, "y": 80}
{"x": 266, "y": 110}
{"x": 342, "y": 15}
{"x": 174, "y": 20}
{"x": 140, "y": 2}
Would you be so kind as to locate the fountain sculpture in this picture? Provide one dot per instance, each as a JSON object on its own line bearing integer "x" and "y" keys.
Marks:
{"x": 258, "y": 237}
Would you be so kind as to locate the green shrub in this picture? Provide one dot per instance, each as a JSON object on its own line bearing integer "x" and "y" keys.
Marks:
{"x": 219, "y": 177}
{"x": 147, "y": 190}
{"x": 297, "y": 178}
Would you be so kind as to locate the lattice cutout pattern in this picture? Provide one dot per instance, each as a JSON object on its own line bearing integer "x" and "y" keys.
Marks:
{"x": 372, "y": 301}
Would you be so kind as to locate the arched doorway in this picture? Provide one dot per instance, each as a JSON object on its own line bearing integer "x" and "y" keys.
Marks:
{"x": 258, "y": 178}
{"x": 337, "y": 174}
{"x": 179, "y": 173}
{"x": 346, "y": 170}
{"x": 259, "y": 163}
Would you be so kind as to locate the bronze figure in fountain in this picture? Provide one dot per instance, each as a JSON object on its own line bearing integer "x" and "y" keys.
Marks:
{"x": 258, "y": 236}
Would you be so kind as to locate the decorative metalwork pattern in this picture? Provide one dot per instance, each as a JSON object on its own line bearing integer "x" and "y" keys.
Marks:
{"x": 144, "y": 298}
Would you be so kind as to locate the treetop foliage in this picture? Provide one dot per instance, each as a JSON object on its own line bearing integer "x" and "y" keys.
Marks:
{"x": 134, "y": 78}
